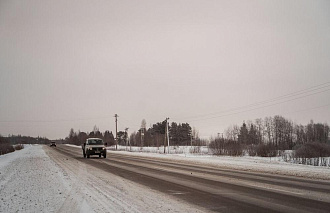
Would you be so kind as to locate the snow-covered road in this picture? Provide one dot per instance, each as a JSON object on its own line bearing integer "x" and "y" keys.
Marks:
{"x": 45, "y": 179}
{"x": 36, "y": 179}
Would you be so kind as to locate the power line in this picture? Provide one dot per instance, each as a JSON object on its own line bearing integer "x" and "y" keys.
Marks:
{"x": 55, "y": 120}
{"x": 286, "y": 96}
{"x": 258, "y": 107}
{"x": 127, "y": 123}
{"x": 303, "y": 110}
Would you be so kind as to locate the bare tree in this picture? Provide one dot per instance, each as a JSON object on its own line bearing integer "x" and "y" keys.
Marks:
{"x": 195, "y": 136}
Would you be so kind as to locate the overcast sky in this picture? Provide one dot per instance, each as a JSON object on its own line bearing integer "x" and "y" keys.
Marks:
{"x": 74, "y": 64}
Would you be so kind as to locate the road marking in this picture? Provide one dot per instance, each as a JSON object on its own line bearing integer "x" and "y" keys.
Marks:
{"x": 280, "y": 190}
{"x": 174, "y": 192}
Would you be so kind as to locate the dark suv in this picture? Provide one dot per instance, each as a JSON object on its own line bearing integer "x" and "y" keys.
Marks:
{"x": 53, "y": 144}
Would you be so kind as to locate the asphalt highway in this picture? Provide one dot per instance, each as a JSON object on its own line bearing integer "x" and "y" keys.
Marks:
{"x": 215, "y": 189}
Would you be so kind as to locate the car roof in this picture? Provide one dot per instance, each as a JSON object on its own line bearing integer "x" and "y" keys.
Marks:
{"x": 94, "y": 139}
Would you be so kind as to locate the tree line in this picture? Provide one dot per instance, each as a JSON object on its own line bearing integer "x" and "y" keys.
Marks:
{"x": 12, "y": 143}
{"x": 262, "y": 137}
{"x": 77, "y": 138}
{"x": 19, "y": 139}
{"x": 265, "y": 137}
{"x": 180, "y": 134}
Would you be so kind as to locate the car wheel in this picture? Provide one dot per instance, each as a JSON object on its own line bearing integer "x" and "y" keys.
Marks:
{"x": 105, "y": 155}
{"x": 99, "y": 155}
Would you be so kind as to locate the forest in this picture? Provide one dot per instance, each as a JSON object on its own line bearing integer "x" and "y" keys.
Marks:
{"x": 271, "y": 135}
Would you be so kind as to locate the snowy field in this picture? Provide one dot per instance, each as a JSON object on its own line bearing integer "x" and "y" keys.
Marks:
{"x": 274, "y": 165}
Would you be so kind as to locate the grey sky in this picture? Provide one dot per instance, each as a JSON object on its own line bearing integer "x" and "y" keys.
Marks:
{"x": 75, "y": 64}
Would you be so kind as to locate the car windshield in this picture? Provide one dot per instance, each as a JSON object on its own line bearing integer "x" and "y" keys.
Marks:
{"x": 95, "y": 142}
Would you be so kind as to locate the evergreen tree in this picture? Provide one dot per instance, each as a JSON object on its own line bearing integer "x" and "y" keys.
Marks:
{"x": 243, "y": 134}
{"x": 109, "y": 138}
{"x": 252, "y": 136}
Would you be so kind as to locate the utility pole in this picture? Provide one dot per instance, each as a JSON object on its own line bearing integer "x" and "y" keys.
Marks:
{"x": 168, "y": 138}
{"x": 165, "y": 139}
{"x": 142, "y": 137}
{"x": 116, "y": 116}
{"x": 126, "y": 136}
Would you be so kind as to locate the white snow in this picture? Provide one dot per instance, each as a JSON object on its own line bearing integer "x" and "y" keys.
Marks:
{"x": 274, "y": 165}
{"x": 30, "y": 182}
{"x": 37, "y": 179}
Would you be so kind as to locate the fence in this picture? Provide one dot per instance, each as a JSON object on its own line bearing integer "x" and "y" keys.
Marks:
{"x": 320, "y": 161}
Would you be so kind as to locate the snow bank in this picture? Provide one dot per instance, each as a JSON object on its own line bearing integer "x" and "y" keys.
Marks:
{"x": 273, "y": 165}
{"x": 195, "y": 150}
{"x": 30, "y": 182}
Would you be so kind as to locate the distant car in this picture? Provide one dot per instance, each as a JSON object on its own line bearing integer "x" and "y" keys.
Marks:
{"x": 53, "y": 144}
{"x": 94, "y": 146}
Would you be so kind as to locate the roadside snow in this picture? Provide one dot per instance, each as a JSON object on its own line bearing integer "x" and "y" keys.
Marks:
{"x": 30, "y": 182}
{"x": 274, "y": 165}
{"x": 39, "y": 179}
